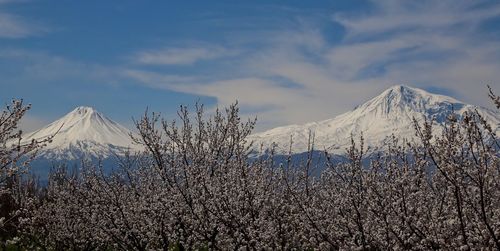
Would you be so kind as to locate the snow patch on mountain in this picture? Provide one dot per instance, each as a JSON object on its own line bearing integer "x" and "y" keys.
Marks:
{"x": 389, "y": 113}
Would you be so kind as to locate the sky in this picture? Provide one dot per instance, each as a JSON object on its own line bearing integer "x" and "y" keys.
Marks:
{"x": 285, "y": 62}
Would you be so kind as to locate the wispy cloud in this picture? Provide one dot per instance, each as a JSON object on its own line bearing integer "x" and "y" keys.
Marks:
{"x": 40, "y": 66}
{"x": 403, "y": 16}
{"x": 12, "y": 26}
{"x": 300, "y": 76}
{"x": 296, "y": 72}
{"x": 424, "y": 43}
{"x": 15, "y": 26}
{"x": 182, "y": 55}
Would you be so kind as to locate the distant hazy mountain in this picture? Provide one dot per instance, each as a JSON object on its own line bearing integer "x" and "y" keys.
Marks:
{"x": 391, "y": 112}
{"x": 84, "y": 132}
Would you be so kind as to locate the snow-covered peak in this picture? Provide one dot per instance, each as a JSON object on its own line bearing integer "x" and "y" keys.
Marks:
{"x": 83, "y": 110}
{"x": 86, "y": 131}
{"x": 391, "y": 112}
{"x": 401, "y": 98}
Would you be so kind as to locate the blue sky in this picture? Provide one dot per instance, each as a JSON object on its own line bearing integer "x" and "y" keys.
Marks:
{"x": 286, "y": 62}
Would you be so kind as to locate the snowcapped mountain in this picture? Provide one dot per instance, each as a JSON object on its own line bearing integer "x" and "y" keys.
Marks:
{"x": 83, "y": 132}
{"x": 86, "y": 132}
{"x": 391, "y": 112}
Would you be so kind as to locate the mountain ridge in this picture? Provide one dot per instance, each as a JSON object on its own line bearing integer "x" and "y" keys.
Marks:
{"x": 390, "y": 112}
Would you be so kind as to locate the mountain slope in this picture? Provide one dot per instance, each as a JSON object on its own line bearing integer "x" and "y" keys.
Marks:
{"x": 83, "y": 132}
{"x": 391, "y": 112}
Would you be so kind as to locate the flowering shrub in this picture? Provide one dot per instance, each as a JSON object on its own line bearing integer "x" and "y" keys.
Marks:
{"x": 14, "y": 160}
{"x": 196, "y": 187}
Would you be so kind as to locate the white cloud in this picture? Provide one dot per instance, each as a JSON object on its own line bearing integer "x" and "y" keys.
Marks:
{"x": 14, "y": 26}
{"x": 424, "y": 43}
{"x": 34, "y": 67}
{"x": 299, "y": 76}
{"x": 182, "y": 56}
{"x": 393, "y": 16}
